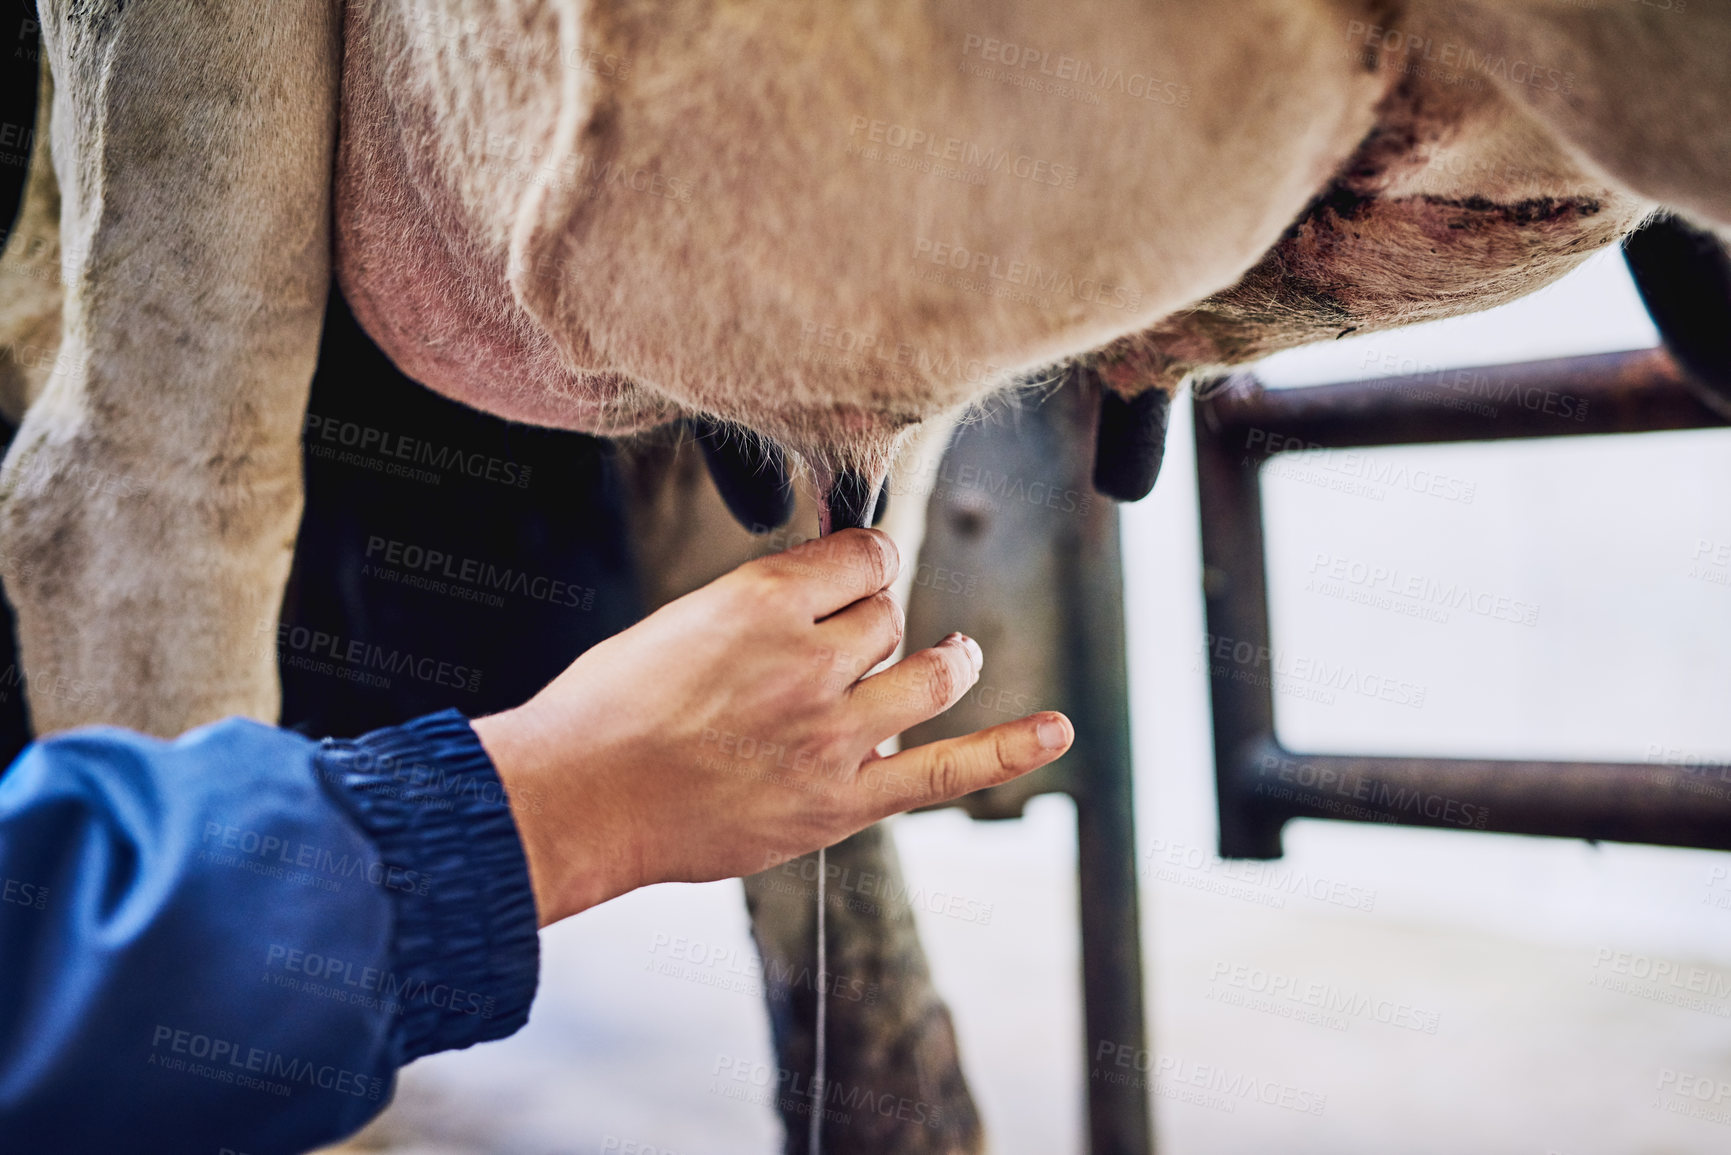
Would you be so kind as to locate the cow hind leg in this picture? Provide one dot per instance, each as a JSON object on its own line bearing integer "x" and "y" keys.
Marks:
{"x": 893, "y": 1077}
{"x": 149, "y": 501}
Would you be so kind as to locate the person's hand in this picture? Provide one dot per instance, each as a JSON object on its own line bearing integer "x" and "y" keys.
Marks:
{"x": 732, "y": 730}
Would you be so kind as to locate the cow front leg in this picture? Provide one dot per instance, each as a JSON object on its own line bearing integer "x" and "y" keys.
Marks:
{"x": 893, "y": 1075}
{"x": 149, "y": 502}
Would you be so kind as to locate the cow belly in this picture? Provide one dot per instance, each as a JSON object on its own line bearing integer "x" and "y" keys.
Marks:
{"x": 424, "y": 278}
{"x": 712, "y": 208}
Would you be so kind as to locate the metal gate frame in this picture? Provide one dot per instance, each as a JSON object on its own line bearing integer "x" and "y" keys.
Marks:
{"x": 1261, "y": 784}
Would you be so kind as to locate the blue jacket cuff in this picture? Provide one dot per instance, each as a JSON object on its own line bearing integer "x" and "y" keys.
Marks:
{"x": 465, "y": 954}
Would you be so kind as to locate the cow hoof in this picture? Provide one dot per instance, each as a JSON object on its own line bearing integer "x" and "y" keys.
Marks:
{"x": 751, "y": 475}
{"x": 1131, "y": 443}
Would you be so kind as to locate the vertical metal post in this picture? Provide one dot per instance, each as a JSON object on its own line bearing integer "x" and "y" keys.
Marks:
{"x": 1119, "y": 1121}
{"x": 1014, "y": 508}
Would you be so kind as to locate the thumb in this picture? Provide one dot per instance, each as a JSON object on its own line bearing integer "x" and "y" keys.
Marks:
{"x": 940, "y": 771}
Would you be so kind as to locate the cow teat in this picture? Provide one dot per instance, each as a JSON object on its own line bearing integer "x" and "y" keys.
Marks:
{"x": 750, "y": 472}
{"x": 851, "y": 501}
{"x": 1684, "y": 278}
{"x": 1130, "y": 443}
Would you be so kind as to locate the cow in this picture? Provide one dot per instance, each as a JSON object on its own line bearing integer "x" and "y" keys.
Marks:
{"x": 813, "y": 229}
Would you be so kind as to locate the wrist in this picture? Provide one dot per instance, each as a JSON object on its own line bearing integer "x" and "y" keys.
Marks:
{"x": 575, "y": 860}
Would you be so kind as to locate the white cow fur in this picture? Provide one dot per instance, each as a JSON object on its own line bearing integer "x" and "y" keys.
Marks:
{"x": 149, "y": 502}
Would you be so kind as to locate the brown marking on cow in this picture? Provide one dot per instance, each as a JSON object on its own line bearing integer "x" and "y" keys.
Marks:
{"x": 1397, "y": 238}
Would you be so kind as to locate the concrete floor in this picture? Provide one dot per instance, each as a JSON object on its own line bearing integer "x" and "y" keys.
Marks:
{"x": 1443, "y": 1038}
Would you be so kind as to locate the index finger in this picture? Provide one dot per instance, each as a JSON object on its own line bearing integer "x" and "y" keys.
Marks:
{"x": 832, "y": 573}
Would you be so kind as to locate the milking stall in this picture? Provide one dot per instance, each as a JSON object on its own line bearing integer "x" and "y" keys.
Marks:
{"x": 1175, "y": 556}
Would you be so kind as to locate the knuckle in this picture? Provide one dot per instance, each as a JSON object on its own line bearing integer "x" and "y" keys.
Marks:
{"x": 945, "y": 775}
{"x": 895, "y": 621}
{"x": 943, "y": 683}
{"x": 760, "y": 589}
{"x": 871, "y": 558}
{"x": 831, "y": 750}
{"x": 868, "y": 561}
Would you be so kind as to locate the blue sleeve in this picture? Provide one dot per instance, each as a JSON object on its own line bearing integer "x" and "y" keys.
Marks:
{"x": 233, "y": 940}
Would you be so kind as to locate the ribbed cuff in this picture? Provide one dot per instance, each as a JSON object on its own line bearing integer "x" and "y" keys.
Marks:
{"x": 465, "y": 954}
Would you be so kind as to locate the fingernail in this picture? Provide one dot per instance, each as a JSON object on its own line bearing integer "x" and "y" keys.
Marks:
{"x": 1053, "y": 734}
{"x": 975, "y": 654}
